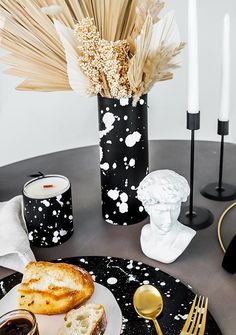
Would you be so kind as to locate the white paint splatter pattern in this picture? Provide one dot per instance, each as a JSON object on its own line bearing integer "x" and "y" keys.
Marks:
{"x": 123, "y": 208}
{"x": 124, "y": 102}
{"x": 101, "y": 153}
{"x": 132, "y": 139}
{"x": 58, "y": 198}
{"x": 113, "y": 194}
{"x": 46, "y": 203}
{"x": 104, "y": 166}
{"x": 108, "y": 119}
{"x": 132, "y": 162}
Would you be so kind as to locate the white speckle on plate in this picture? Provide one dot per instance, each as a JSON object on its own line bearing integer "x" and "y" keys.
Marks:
{"x": 112, "y": 280}
{"x": 130, "y": 265}
{"x": 146, "y": 282}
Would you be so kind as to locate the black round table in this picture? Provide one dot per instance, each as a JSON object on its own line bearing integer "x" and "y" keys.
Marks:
{"x": 200, "y": 264}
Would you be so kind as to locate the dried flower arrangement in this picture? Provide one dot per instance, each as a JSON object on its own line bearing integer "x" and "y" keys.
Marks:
{"x": 118, "y": 48}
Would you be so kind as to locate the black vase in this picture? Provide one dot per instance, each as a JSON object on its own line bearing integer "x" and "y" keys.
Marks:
{"x": 123, "y": 158}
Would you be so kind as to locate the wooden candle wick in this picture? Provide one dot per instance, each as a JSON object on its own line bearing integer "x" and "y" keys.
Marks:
{"x": 48, "y": 186}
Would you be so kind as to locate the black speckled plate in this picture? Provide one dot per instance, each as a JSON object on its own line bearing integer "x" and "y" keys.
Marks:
{"x": 122, "y": 277}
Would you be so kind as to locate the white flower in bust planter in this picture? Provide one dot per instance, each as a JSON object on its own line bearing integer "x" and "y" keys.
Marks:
{"x": 161, "y": 193}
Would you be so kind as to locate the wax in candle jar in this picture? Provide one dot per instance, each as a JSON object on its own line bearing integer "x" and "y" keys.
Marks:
{"x": 225, "y": 85}
{"x": 46, "y": 187}
{"x": 193, "y": 62}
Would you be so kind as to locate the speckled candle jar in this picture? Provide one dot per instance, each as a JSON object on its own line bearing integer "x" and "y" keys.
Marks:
{"x": 123, "y": 158}
{"x": 49, "y": 220}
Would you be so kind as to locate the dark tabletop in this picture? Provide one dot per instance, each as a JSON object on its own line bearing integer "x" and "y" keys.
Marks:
{"x": 199, "y": 265}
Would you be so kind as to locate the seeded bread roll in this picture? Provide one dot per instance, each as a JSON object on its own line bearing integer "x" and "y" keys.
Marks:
{"x": 54, "y": 288}
{"x": 89, "y": 319}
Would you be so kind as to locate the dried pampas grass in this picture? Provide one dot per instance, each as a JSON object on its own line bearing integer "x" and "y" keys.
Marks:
{"x": 132, "y": 47}
{"x": 156, "y": 48}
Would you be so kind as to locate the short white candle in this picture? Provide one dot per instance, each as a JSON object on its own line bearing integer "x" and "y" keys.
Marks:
{"x": 46, "y": 187}
{"x": 225, "y": 84}
{"x": 193, "y": 62}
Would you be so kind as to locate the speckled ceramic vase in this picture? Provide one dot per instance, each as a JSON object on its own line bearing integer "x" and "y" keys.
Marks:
{"x": 123, "y": 158}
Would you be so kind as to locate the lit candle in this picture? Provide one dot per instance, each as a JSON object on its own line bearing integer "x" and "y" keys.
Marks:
{"x": 225, "y": 85}
{"x": 193, "y": 65}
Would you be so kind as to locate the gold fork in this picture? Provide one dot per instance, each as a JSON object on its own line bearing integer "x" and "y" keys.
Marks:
{"x": 196, "y": 321}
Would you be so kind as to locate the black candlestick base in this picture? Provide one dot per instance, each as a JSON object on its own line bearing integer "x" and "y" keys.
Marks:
{"x": 200, "y": 219}
{"x": 212, "y": 191}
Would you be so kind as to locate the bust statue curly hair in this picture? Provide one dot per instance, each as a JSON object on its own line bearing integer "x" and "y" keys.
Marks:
{"x": 161, "y": 193}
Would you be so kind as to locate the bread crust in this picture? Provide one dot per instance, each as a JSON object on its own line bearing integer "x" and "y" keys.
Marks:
{"x": 89, "y": 319}
{"x": 54, "y": 288}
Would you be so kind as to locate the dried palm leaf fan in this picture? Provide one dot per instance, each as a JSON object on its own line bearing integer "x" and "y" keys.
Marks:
{"x": 44, "y": 51}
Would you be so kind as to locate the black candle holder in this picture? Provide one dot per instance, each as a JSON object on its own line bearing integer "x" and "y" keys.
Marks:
{"x": 220, "y": 191}
{"x": 192, "y": 216}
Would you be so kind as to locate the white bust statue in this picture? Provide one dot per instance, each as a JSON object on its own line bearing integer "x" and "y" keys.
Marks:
{"x": 161, "y": 193}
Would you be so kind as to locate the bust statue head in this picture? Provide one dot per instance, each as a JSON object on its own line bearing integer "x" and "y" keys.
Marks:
{"x": 161, "y": 193}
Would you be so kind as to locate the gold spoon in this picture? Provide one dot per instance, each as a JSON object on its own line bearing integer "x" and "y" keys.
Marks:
{"x": 148, "y": 304}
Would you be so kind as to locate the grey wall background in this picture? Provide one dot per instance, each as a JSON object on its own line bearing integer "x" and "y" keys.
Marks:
{"x": 32, "y": 124}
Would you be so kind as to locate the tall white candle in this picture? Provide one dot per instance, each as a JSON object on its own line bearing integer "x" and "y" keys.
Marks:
{"x": 225, "y": 84}
{"x": 193, "y": 62}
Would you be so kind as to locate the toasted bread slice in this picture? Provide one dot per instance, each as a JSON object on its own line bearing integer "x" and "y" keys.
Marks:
{"x": 54, "y": 288}
{"x": 89, "y": 319}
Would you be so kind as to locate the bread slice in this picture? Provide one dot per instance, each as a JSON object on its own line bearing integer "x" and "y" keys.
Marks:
{"x": 54, "y": 288}
{"x": 89, "y": 319}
